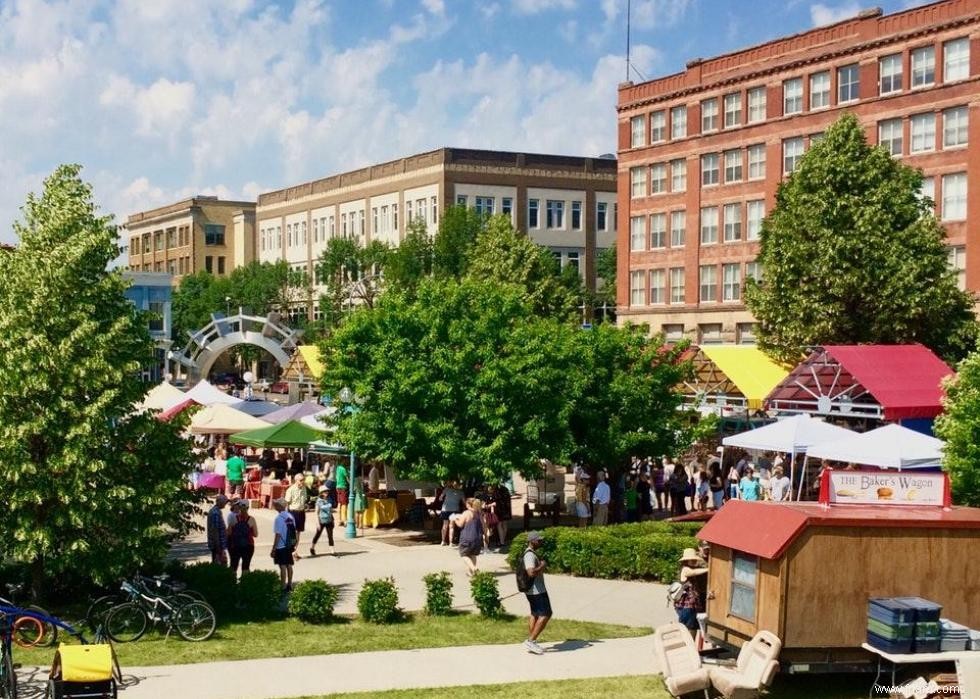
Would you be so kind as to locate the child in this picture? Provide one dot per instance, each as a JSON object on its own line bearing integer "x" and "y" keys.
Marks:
{"x": 324, "y": 514}
{"x": 703, "y": 490}
{"x": 632, "y": 500}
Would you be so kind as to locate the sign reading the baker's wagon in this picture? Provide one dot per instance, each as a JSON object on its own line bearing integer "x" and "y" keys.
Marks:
{"x": 884, "y": 488}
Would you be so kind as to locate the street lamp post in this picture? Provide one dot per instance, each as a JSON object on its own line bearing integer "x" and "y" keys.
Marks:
{"x": 346, "y": 397}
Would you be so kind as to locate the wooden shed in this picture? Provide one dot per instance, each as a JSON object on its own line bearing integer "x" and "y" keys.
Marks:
{"x": 805, "y": 571}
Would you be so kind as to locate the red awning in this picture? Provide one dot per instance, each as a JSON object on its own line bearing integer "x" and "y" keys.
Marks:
{"x": 173, "y": 411}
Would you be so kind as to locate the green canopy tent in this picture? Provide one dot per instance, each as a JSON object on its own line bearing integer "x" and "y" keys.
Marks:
{"x": 291, "y": 433}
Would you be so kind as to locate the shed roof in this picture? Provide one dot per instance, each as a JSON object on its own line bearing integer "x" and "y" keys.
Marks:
{"x": 766, "y": 529}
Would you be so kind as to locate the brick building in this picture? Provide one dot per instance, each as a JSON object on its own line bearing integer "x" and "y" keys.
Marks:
{"x": 702, "y": 152}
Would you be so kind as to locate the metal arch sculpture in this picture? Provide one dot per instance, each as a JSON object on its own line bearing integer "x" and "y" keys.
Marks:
{"x": 222, "y": 333}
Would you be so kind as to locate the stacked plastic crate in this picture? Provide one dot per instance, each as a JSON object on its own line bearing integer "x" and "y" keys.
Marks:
{"x": 927, "y": 631}
{"x": 891, "y": 625}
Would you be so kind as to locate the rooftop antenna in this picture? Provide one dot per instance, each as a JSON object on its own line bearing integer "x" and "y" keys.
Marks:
{"x": 628, "y": 8}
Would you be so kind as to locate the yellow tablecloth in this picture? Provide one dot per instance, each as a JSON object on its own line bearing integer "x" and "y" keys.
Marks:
{"x": 380, "y": 511}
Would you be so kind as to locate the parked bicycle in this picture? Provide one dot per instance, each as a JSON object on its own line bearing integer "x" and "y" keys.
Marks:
{"x": 193, "y": 619}
{"x": 30, "y": 630}
{"x": 158, "y": 585}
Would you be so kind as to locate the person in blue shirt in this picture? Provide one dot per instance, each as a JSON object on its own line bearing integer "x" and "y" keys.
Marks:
{"x": 748, "y": 487}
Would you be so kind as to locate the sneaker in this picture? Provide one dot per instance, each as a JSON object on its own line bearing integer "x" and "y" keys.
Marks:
{"x": 533, "y": 647}
{"x": 333, "y": 551}
{"x": 312, "y": 552}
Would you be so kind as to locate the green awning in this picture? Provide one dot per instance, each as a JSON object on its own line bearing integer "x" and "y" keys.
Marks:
{"x": 291, "y": 433}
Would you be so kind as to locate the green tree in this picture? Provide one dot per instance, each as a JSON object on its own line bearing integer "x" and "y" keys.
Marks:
{"x": 458, "y": 231}
{"x": 412, "y": 260}
{"x": 458, "y": 380}
{"x": 93, "y": 488}
{"x": 852, "y": 253}
{"x": 959, "y": 426}
{"x": 351, "y": 274}
{"x": 605, "y": 294}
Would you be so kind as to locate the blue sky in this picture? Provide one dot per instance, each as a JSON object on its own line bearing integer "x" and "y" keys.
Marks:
{"x": 160, "y": 99}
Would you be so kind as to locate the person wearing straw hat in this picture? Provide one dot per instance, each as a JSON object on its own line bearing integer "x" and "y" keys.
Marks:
{"x": 690, "y": 601}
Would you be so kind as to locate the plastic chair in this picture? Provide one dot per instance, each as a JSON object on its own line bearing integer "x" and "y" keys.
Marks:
{"x": 968, "y": 677}
{"x": 679, "y": 661}
{"x": 755, "y": 668}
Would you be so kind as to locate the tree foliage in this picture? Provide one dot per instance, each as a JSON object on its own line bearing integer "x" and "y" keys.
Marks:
{"x": 852, "y": 253}
{"x": 458, "y": 230}
{"x": 92, "y": 487}
{"x": 959, "y": 426}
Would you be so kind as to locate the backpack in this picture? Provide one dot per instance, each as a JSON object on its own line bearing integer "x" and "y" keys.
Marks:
{"x": 241, "y": 534}
{"x": 674, "y": 593}
{"x": 291, "y": 537}
{"x": 524, "y": 580}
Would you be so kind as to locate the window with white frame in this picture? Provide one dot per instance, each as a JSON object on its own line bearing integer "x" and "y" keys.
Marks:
{"x": 924, "y": 66}
{"x": 733, "y": 222}
{"x": 755, "y": 211}
{"x": 507, "y": 207}
{"x": 890, "y": 136}
{"x": 484, "y": 206}
{"x": 733, "y": 109}
{"x": 956, "y": 59}
{"x": 576, "y": 215}
{"x": 658, "y": 231}
{"x": 638, "y": 233}
{"x": 332, "y": 227}
{"x": 733, "y": 165}
{"x": 792, "y": 152}
{"x": 316, "y": 230}
{"x": 890, "y": 74}
{"x": 306, "y": 238}
{"x": 793, "y": 96}
{"x": 673, "y": 332}
{"x": 658, "y": 127}
{"x": 678, "y": 175}
{"x": 928, "y": 190}
{"x": 360, "y": 222}
{"x": 757, "y": 161}
{"x": 757, "y": 105}
{"x": 423, "y": 212}
{"x": 709, "y": 115}
{"x": 820, "y": 90}
{"x": 638, "y": 129}
{"x": 601, "y": 211}
{"x": 709, "y": 225}
{"x": 638, "y": 182}
{"x": 709, "y": 169}
{"x": 753, "y": 270}
{"x": 555, "y": 213}
{"x": 731, "y": 282}
{"x": 435, "y": 209}
{"x": 533, "y": 210}
{"x": 745, "y": 333}
{"x": 957, "y": 263}
{"x": 678, "y": 226}
{"x": 677, "y": 285}
{"x": 658, "y": 286}
{"x": 922, "y": 129}
{"x": 658, "y": 178}
{"x": 460, "y": 200}
{"x": 848, "y": 83}
{"x": 742, "y": 601}
{"x": 278, "y": 237}
{"x": 394, "y": 217}
{"x": 678, "y": 122}
{"x": 955, "y": 127}
{"x": 709, "y": 283}
{"x": 638, "y": 288}
{"x": 572, "y": 260}
{"x": 954, "y": 197}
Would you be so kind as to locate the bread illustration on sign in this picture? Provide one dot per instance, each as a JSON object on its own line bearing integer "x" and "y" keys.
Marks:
{"x": 885, "y": 493}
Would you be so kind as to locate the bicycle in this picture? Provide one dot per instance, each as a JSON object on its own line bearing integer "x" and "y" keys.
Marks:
{"x": 28, "y": 630}
{"x": 8, "y": 677}
{"x": 127, "y": 622}
{"x": 100, "y": 608}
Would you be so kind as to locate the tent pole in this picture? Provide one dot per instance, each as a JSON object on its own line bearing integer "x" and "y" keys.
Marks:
{"x": 792, "y": 471}
{"x": 799, "y": 490}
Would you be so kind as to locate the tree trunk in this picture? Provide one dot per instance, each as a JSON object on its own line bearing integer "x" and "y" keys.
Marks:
{"x": 37, "y": 579}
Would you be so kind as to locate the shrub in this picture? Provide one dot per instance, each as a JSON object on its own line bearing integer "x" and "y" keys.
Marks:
{"x": 215, "y": 582}
{"x": 313, "y": 601}
{"x": 438, "y": 593}
{"x": 260, "y": 592}
{"x": 486, "y": 594}
{"x": 378, "y": 601}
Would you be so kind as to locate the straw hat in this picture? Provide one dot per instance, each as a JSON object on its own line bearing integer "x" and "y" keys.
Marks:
{"x": 691, "y": 555}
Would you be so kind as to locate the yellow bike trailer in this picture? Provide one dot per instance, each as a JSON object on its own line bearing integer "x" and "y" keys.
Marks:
{"x": 84, "y": 672}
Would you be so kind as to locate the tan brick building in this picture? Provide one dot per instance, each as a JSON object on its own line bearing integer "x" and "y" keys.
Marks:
{"x": 702, "y": 152}
{"x": 201, "y": 233}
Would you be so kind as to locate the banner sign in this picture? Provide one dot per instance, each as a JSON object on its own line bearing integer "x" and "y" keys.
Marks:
{"x": 884, "y": 488}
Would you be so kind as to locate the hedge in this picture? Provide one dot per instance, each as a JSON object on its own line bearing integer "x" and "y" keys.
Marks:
{"x": 646, "y": 550}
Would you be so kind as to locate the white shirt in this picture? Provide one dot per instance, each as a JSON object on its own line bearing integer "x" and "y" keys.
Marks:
{"x": 601, "y": 494}
{"x": 279, "y": 529}
{"x": 779, "y": 488}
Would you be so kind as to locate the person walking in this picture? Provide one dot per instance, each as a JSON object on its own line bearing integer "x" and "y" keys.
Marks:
{"x": 600, "y": 500}
{"x": 501, "y": 507}
{"x": 297, "y": 496}
{"x": 343, "y": 489}
{"x": 283, "y": 543}
{"x": 659, "y": 488}
{"x": 235, "y": 473}
{"x": 716, "y": 484}
{"x": 241, "y": 539}
{"x": 677, "y": 486}
{"x": 471, "y": 533}
{"x": 537, "y": 594}
{"x": 630, "y": 500}
{"x": 218, "y": 532}
{"x": 779, "y": 485}
{"x": 644, "y": 504}
{"x": 452, "y": 499}
{"x": 324, "y": 515}
{"x": 748, "y": 487}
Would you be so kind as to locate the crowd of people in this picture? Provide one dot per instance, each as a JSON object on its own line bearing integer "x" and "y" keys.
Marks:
{"x": 473, "y": 521}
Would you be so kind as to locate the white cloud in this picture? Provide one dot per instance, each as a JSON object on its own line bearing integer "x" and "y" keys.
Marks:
{"x": 489, "y": 10}
{"x": 435, "y": 7}
{"x": 533, "y": 7}
{"x": 821, "y": 14}
{"x": 650, "y": 14}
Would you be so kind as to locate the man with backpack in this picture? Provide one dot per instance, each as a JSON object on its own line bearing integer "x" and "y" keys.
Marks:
{"x": 284, "y": 543}
{"x": 241, "y": 537}
{"x": 530, "y": 581}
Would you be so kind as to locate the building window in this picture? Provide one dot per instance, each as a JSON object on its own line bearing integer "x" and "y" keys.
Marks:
{"x": 890, "y": 136}
{"x": 209, "y": 264}
{"x": 637, "y": 131}
{"x": 757, "y": 162}
{"x": 923, "y": 130}
{"x": 278, "y": 237}
{"x": 435, "y": 210}
{"x": 709, "y": 284}
{"x": 576, "y": 215}
{"x": 753, "y": 270}
{"x": 792, "y": 152}
{"x": 572, "y": 260}
{"x": 793, "y": 96}
{"x": 678, "y": 224}
{"x": 658, "y": 286}
{"x": 757, "y": 105}
{"x": 394, "y": 217}
{"x": 744, "y": 573}
{"x": 709, "y": 169}
{"x": 890, "y": 74}
{"x": 672, "y": 331}
{"x": 637, "y": 290}
{"x": 134, "y": 245}
{"x": 709, "y": 334}
{"x": 316, "y": 230}
{"x": 221, "y": 264}
{"x": 733, "y": 109}
{"x": 954, "y": 197}
{"x": 745, "y": 333}
{"x": 601, "y": 209}
{"x": 343, "y": 225}
{"x": 957, "y": 263}
{"x": 422, "y": 211}
{"x": 638, "y": 234}
{"x": 214, "y": 234}
{"x": 360, "y": 222}
{"x": 755, "y": 212}
{"x": 678, "y": 175}
{"x": 658, "y": 231}
{"x": 507, "y": 208}
{"x": 678, "y": 122}
{"x": 460, "y": 200}
{"x": 848, "y": 84}
{"x": 658, "y": 127}
{"x": 171, "y": 238}
{"x": 733, "y": 165}
{"x": 733, "y": 222}
{"x": 956, "y": 59}
{"x": 555, "y": 213}
{"x": 924, "y": 66}
{"x": 333, "y": 229}
{"x": 484, "y": 206}
{"x": 658, "y": 178}
{"x": 820, "y": 90}
{"x": 954, "y": 127}
{"x": 532, "y": 213}
{"x": 709, "y": 225}
{"x": 709, "y": 115}
{"x": 731, "y": 286}
{"x": 306, "y": 238}
{"x": 638, "y": 182}
{"x": 677, "y": 285}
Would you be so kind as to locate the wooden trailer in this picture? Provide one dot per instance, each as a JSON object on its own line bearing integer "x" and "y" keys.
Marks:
{"x": 805, "y": 571}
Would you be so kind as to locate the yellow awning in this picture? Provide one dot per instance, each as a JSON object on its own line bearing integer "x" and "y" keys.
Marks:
{"x": 749, "y": 368}
{"x": 311, "y": 355}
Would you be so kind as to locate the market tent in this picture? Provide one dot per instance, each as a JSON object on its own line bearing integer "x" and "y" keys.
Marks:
{"x": 161, "y": 397}
{"x": 176, "y": 409}
{"x": 286, "y": 434}
{"x": 744, "y": 368}
{"x": 792, "y": 435}
{"x": 296, "y": 411}
{"x": 891, "y": 446}
{"x": 316, "y": 419}
{"x": 206, "y": 394}
{"x": 257, "y": 408}
{"x": 223, "y": 419}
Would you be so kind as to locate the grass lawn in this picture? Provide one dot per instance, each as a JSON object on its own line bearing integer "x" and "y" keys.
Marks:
{"x": 290, "y": 637}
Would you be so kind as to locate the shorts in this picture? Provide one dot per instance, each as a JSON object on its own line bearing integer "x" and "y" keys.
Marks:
{"x": 300, "y": 518}
{"x": 658, "y": 489}
{"x": 540, "y": 604}
{"x": 446, "y": 515}
{"x": 282, "y": 557}
{"x": 342, "y": 498}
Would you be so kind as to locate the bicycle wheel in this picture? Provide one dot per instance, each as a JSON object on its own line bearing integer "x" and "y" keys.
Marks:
{"x": 9, "y": 684}
{"x": 50, "y": 631}
{"x": 99, "y": 610}
{"x": 28, "y": 631}
{"x": 126, "y": 623}
{"x": 195, "y": 621}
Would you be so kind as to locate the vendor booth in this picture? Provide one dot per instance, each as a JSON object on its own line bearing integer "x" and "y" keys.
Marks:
{"x": 728, "y": 377}
{"x": 297, "y": 411}
{"x": 161, "y": 397}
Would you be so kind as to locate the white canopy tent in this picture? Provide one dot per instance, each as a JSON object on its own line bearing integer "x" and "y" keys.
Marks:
{"x": 161, "y": 397}
{"x": 223, "y": 419}
{"x": 206, "y": 394}
{"x": 316, "y": 419}
{"x": 891, "y": 446}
